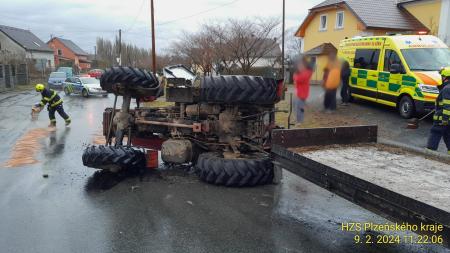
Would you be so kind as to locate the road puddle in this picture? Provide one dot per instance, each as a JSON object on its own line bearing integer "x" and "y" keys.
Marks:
{"x": 26, "y": 148}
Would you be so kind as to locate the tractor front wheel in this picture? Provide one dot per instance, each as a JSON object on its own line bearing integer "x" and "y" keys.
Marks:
{"x": 249, "y": 170}
{"x": 113, "y": 158}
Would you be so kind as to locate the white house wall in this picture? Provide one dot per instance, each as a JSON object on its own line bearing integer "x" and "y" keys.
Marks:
{"x": 444, "y": 22}
{"x": 8, "y": 46}
{"x": 42, "y": 57}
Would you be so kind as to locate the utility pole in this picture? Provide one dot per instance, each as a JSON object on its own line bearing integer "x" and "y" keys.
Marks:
{"x": 120, "y": 47}
{"x": 153, "y": 38}
{"x": 282, "y": 39}
{"x": 95, "y": 52}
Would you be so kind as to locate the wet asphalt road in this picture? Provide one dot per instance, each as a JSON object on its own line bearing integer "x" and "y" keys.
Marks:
{"x": 167, "y": 211}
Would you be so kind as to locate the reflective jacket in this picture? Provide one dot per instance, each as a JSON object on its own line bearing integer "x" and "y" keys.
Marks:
{"x": 50, "y": 97}
{"x": 442, "y": 114}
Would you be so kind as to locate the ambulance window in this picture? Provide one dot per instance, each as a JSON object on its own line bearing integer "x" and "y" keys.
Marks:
{"x": 366, "y": 59}
{"x": 391, "y": 57}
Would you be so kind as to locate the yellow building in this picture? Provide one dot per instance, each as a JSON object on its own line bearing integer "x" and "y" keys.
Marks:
{"x": 434, "y": 14}
{"x": 334, "y": 20}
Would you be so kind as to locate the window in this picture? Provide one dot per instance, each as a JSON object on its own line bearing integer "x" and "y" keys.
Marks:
{"x": 59, "y": 52}
{"x": 323, "y": 23}
{"x": 426, "y": 59}
{"x": 90, "y": 80}
{"x": 1, "y": 71}
{"x": 13, "y": 70}
{"x": 339, "y": 20}
{"x": 57, "y": 75}
{"x": 367, "y": 59}
{"x": 49, "y": 64}
{"x": 391, "y": 57}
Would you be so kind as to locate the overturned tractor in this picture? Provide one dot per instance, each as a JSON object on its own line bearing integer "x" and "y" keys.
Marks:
{"x": 221, "y": 125}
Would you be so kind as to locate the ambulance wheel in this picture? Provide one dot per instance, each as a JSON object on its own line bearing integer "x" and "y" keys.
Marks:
{"x": 406, "y": 107}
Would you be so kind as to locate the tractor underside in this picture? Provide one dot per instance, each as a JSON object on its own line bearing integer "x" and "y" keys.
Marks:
{"x": 221, "y": 125}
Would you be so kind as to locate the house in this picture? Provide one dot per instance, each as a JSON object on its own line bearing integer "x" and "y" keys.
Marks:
{"x": 319, "y": 55}
{"x": 271, "y": 53}
{"x": 20, "y": 44}
{"x": 334, "y": 20}
{"x": 68, "y": 54}
{"x": 434, "y": 14}
{"x": 265, "y": 58}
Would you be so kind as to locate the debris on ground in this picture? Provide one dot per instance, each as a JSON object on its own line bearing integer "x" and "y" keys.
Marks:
{"x": 26, "y": 148}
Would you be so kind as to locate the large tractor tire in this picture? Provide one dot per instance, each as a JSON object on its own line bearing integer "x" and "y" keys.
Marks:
{"x": 235, "y": 172}
{"x": 239, "y": 90}
{"x": 113, "y": 158}
{"x": 136, "y": 82}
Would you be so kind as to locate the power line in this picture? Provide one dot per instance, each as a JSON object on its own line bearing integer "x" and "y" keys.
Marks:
{"x": 136, "y": 16}
{"x": 196, "y": 14}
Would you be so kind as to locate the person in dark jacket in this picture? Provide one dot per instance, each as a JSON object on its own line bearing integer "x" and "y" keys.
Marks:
{"x": 54, "y": 104}
{"x": 441, "y": 129}
{"x": 345, "y": 78}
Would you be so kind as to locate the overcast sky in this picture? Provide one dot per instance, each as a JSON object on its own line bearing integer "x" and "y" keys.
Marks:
{"x": 84, "y": 20}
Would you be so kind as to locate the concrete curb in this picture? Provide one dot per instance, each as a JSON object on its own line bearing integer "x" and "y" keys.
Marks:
{"x": 422, "y": 151}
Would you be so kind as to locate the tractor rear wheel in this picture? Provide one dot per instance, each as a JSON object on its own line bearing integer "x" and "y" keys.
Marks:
{"x": 254, "y": 169}
{"x": 113, "y": 158}
{"x": 136, "y": 82}
{"x": 239, "y": 90}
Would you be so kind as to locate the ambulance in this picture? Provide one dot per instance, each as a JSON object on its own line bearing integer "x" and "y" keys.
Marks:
{"x": 401, "y": 71}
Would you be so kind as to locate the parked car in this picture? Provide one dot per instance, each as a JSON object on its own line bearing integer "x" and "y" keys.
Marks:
{"x": 96, "y": 73}
{"x": 56, "y": 79}
{"x": 67, "y": 70}
{"x": 85, "y": 86}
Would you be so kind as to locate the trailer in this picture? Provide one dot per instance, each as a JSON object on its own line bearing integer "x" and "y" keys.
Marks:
{"x": 404, "y": 186}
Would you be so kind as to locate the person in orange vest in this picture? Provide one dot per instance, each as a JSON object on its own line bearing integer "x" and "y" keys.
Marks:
{"x": 331, "y": 81}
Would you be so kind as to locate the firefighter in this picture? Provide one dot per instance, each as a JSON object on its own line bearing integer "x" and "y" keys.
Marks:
{"x": 441, "y": 118}
{"x": 54, "y": 104}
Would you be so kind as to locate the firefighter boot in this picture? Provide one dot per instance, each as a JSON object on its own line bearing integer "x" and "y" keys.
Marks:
{"x": 52, "y": 124}
{"x": 68, "y": 121}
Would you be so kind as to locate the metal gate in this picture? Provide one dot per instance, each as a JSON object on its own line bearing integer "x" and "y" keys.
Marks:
{"x": 21, "y": 74}
{"x": 7, "y": 76}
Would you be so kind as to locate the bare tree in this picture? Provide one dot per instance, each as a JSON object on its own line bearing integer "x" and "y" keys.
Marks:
{"x": 198, "y": 48}
{"x": 222, "y": 46}
{"x": 249, "y": 41}
{"x": 107, "y": 52}
{"x": 293, "y": 43}
{"x": 221, "y": 50}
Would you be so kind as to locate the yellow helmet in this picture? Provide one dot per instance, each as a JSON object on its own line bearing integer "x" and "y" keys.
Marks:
{"x": 445, "y": 72}
{"x": 39, "y": 87}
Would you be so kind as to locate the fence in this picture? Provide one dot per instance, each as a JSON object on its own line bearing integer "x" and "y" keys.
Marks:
{"x": 12, "y": 75}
